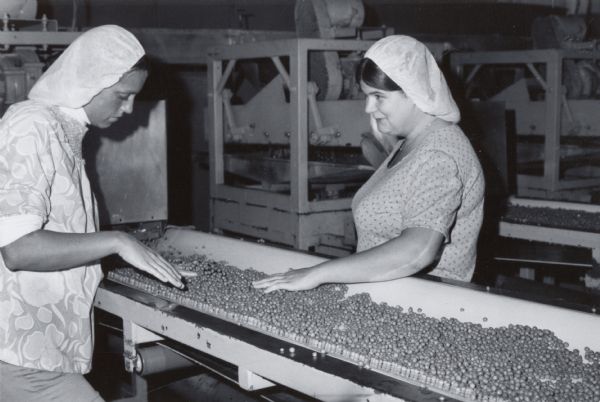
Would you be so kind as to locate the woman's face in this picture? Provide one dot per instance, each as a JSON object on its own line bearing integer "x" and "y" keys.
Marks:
{"x": 111, "y": 103}
{"x": 392, "y": 111}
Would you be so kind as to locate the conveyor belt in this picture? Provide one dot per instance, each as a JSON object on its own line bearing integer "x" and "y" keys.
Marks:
{"x": 564, "y": 223}
{"x": 462, "y": 303}
{"x": 553, "y": 218}
{"x": 240, "y": 345}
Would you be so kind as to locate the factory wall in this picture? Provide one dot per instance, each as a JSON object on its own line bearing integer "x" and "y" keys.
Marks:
{"x": 445, "y": 17}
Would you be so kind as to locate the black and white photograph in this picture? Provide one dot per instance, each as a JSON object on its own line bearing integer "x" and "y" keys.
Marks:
{"x": 300, "y": 200}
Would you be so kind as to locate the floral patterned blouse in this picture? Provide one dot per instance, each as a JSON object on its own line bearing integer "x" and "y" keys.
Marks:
{"x": 45, "y": 320}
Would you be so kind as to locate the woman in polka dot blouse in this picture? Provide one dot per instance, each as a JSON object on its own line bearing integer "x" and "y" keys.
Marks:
{"x": 422, "y": 208}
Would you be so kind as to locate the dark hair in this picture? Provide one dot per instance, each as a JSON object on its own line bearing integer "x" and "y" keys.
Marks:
{"x": 142, "y": 64}
{"x": 370, "y": 73}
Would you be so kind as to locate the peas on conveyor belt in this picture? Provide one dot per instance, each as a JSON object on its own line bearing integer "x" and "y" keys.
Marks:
{"x": 514, "y": 363}
{"x": 553, "y": 217}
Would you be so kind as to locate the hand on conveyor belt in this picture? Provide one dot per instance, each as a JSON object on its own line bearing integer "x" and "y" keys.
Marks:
{"x": 294, "y": 279}
{"x": 148, "y": 260}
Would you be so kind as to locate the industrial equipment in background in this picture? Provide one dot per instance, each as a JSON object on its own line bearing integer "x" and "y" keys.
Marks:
{"x": 19, "y": 9}
{"x": 552, "y": 94}
{"x": 278, "y": 153}
{"x": 286, "y": 126}
{"x": 556, "y": 222}
{"x": 553, "y": 91}
{"x": 26, "y": 46}
{"x": 283, "y": 169}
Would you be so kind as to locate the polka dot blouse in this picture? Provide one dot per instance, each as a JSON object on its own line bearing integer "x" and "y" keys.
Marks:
{"x": 439, "y": 185}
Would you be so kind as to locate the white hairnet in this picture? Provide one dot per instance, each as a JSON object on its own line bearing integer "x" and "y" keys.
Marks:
{"x": 96, "y": 60}
{"x": 411, "y": 65}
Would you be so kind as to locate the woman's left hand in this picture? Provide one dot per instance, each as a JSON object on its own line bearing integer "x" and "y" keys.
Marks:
{"x": 295, "y": 279}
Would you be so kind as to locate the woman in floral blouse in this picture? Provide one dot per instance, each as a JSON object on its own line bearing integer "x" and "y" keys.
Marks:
{"x": 49, "y": 243}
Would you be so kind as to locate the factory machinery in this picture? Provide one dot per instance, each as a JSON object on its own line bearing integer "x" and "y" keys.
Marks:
{"x": 555, "y": 222}
{"x": 285, "y": 156}
{"x": 411, "y": 339}
{"x": 553, "y": 92}
{"x": 417, "y": 339}
{"x": 549, "y": 153}
{"x": 277, "y": 165}
{"x": 289, "y": 139}
{"x": 26, "y": 45}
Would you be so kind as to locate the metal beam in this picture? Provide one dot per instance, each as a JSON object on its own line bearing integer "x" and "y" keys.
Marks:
{"x": 171, "y": 46}
{"x": 189, "y": 46}
{"x": 27, "y": 38}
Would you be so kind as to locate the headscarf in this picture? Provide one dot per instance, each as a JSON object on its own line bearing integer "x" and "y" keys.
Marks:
{"x": 411, "y": 65}
{"x": 96, "y": 60}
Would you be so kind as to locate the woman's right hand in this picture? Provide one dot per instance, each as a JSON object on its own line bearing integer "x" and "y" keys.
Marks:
{"x": 144, "y": 258}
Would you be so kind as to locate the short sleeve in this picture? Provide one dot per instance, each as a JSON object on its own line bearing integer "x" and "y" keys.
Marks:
{"x": 436, "y": 194}
{"x": 26, "y": 166}
{"x": 16, "y": 226}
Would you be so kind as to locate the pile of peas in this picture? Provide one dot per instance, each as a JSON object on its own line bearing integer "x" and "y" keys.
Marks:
{"x": 514, "y": 363}
{"x": 553, "y": 217}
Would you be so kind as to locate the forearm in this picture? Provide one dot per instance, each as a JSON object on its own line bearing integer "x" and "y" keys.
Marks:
{"x": 403, "y": 256}
{"x": 45, "y": 250}
{"x": 407, "y": 254}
